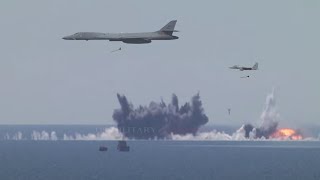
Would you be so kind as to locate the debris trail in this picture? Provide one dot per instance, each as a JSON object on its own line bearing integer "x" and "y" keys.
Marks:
{"x": 116, "y": 50}
{"x": 245, "y": 77}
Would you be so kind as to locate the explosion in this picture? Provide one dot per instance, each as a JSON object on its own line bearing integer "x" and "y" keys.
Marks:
{"x": 269, "y": 120}
{"x": 269, "y": 124}
{"x": 287, "y": 133}
{"x": 159, "y": 120}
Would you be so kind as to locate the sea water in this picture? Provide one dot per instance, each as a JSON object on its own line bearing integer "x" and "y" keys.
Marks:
{"x": 161, "y": 159}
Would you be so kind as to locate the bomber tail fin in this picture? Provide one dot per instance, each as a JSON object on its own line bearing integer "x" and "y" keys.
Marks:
{"x": 169, "y": 28}
{"x": 255, "y": 66}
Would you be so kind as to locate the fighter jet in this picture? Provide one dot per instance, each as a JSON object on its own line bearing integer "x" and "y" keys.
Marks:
{"x": 164, "y": 33}
{"x": 254, "y": 67}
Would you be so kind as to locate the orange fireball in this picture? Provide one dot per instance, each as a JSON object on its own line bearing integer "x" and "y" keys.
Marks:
{"x": 287, "y": 133}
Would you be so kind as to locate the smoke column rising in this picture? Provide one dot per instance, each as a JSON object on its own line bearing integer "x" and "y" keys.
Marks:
{"x": 159, "y": 120}
{"x": 269, "y": 118}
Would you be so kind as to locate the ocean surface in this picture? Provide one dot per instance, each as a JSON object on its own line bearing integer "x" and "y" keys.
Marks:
{"x": 26, "y": 159}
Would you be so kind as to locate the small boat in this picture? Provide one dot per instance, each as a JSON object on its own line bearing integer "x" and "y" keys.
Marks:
{"x": 122, "y": 146}
{"x": 103, "y": 148}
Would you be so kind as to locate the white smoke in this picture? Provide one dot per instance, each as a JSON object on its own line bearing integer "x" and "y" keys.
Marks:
{"x": 111, "y": 133}
{"x": 270, "y": 114}
{"x": 6, "y": 137}
{"x": 43, "y": 136}
{"x": 54, "y": 136}
{"x": 212, "y": 136}
{"x": 269, "y": 120}
{"x": 17, "y": 136}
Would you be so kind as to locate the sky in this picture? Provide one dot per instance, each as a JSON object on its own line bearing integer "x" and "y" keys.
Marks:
{"x": 47, "y": 80}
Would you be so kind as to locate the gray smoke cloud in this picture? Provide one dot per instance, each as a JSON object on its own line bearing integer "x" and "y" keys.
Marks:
{"x": 269, "y": 119}
{"x": 159, "y": 120}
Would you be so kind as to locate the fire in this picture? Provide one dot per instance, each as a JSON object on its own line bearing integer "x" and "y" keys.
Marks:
{"x": 287, "y": 133}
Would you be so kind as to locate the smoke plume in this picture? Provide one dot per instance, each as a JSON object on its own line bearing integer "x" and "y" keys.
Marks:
{"x": 159, "y": 120}
{"x": 111, "y": 133}
{"x": 269, "y": 119}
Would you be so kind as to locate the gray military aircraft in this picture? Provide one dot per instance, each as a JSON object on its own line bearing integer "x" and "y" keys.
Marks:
{"x": 164, "y": 33}
{"x": 254, "y": 67}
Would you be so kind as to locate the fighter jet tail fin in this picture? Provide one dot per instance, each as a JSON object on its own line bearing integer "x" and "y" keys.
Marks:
{"x": 169, "y": 28}
{"x": 255, "y": 66}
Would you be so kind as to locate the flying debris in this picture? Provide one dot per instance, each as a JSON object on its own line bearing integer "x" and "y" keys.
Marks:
{"x": 241, "y": 68}
{"x": 245, "y": 77}
{"x": 116, "y": 50}
{"x": 159, "y": 120}
{"x": 164, "y": 33}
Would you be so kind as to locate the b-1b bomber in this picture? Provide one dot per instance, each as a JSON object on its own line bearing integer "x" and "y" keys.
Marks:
{"x": 164, "y": 33}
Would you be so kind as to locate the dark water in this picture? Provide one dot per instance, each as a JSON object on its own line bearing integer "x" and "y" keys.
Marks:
{"x": 60, "y": 160}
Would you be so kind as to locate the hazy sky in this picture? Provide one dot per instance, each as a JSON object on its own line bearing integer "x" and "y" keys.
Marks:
{"x": 47, "y": 80}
